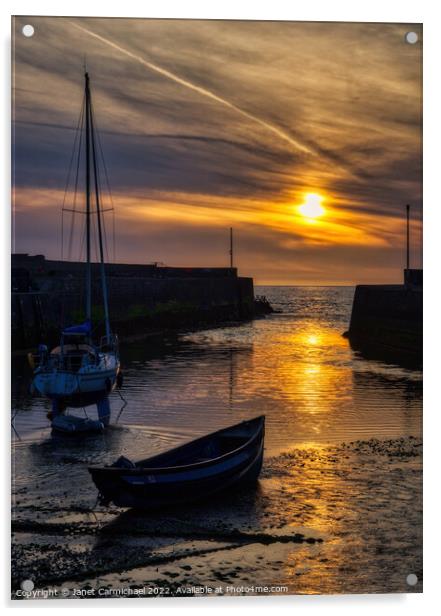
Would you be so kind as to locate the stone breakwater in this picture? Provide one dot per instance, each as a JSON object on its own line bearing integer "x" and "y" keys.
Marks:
{"x": 339, "y": 519}
{"x": 387, "y": 323}
{"x": 143, "y": 299}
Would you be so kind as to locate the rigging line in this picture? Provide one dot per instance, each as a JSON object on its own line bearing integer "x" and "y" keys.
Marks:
{"x": 75, "y": 192}
{"x": 62, "y": 232}
{"x": 88, "y": 201}
{"x": 103, "y": 218}
{"x": 99, "y": 221}
{"x": 104, "y": 162}
{"x": 99, "y": 209}
{"x": 83, "y": 239}
{"x": 66, "y": 188}
{"x": 103, "y": 221}
{"x": 94, "y": 235}
{"x": 106, "y": 175}
{"x": 80, "y": 141}
{"x": 92, "y": 218}
{"x": 113, "y": 231}
{"x": 106, "y": 209}
{"x": 13, "y": 424}
{"x": 124, "y": 401}
{"x": 98, "y": 322}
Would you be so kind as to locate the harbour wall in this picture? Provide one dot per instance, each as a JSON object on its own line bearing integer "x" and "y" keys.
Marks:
{"x": 48, "y": 296}
{"x": 387, "y": 321}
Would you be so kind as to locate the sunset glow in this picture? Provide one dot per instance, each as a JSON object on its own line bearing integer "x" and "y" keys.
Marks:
{"x": 312, "y": 206}
{"x": 314, "y": 182}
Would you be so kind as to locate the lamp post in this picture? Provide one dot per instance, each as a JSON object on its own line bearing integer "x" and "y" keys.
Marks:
{"x": 231, "y": 247}
{"x": 407, "y": 236}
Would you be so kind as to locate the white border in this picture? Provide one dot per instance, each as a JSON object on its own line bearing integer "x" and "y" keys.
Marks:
{"x": 336, "y": 10}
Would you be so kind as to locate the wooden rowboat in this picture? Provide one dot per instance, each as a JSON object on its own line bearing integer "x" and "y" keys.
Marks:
{"x": 190, "y": 472}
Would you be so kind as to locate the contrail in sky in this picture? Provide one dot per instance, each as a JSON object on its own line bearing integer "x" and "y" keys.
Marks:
{"x": 203, "y": 91}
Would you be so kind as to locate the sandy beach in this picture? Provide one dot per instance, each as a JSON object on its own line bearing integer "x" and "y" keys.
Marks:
{"x": 339, "y": 519}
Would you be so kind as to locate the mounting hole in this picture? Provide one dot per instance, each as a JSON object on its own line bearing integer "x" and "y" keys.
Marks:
{"x": 27, "y": 585}
{"x": 411, "y": 38}
{"x": 412, "y": 579}
{"x": 28, "y": 30}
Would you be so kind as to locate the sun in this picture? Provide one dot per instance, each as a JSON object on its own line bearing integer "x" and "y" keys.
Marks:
{"x": 312, "y": 206}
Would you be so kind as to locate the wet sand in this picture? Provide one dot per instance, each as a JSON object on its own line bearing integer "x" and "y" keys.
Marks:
{"x": 334, "y": 519}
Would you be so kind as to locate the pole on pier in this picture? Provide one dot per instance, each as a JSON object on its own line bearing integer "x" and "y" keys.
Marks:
{"x": 407, "y": 236}
{"x": 231, "y": 247}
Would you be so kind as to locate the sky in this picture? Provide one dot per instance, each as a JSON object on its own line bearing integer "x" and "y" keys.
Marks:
{"x": 207, "y": 125}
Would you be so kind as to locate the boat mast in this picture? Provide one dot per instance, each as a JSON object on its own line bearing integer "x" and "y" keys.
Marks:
{"x": 88, "y": 264}
{"x": 100, "y": 229}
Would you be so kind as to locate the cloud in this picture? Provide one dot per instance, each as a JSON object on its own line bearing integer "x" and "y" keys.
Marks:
{"x": 203, "y": 117}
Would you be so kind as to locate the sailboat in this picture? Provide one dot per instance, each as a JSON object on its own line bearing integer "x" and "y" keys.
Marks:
{"x": 79, "y": 371}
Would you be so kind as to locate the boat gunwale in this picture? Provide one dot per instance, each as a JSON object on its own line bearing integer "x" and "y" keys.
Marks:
{"x": 183, "y": 468}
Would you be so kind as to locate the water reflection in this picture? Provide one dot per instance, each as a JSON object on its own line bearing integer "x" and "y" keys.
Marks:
{"x": 294, "y": 367}
{"x": 298, "y": 370}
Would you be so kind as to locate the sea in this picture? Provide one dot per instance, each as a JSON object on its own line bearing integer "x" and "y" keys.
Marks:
{"x": 293, "y": 366}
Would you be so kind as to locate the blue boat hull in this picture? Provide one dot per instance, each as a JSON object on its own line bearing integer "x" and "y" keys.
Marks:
{"x": 164, "y": 481}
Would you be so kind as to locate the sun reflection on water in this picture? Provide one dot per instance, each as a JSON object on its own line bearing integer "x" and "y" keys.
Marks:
{"x": 294, "y": 367}
{"x": 305, "y": 375}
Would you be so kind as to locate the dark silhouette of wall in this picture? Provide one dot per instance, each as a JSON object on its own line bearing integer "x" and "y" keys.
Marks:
{"x": 49, "y": 295}
{"x": 386, "y": 322}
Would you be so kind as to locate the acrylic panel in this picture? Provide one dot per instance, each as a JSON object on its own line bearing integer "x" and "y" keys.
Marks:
{"x": 216, "y": 308}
